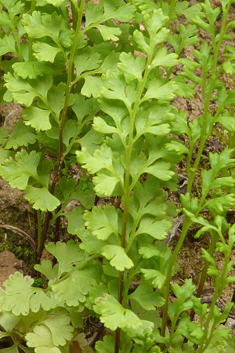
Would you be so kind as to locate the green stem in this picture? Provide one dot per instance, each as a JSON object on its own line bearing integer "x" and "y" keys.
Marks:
{"x": 170, "y": 13}
{"x": 0, "y": 64}
{"x": 63, "y": 118}
{"x": 17, "y": 39}
{"x": 204, "y": 132}
{"x": 33, "y": 6}
{"x": 206, "y": 338}
{"x": 127, "y": 282}
{"x": 39, "y": 235}
{"x": 127, "y": 186}
{"x": 205, "y": 268}
{"x": 191, "y": 149}
{"x": 207, "y": 95}
{"x": 75, "y": 14}
{"x": 186, "y": 225}
{"x": 231, "y": 140}
{"x": 69, "y": 83}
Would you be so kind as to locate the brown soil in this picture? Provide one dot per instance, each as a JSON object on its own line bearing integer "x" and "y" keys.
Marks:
{"x": 9, "y": 264}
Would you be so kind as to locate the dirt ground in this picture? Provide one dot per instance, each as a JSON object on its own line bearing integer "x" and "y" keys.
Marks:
{"x": 16, "y": 211}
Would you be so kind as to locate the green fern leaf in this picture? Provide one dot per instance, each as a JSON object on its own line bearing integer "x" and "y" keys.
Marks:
{"x": 20, "y": 296}
{"x": 102, "y": 222}
{"x": 68, "y": 255}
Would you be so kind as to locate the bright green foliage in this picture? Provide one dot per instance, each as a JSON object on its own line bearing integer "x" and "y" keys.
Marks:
{"x": 102, "y": 223}
{"x": 102, "y": 94}
{"x": 24, "y": 92}
{"x": 44, "y": 307}
{"x": 106, "y": 345}
{"x": 31, "y": 69}
{"x": 7, "y": 45}
{"x": 46, "y": 269}
{"x": 148, "y": 299}
{"x": 41, "y": 199}
{"x": 117, "y": 256}
{"x": 37, "y": 118}
{"x": 45, "y": 52}
{"x": 157, "y": 229}
{"x": 53, "y": 332}
{"x": 73, "y": 290}
{"x": 68, "y": 255}
{"x": 114, "y": 315}
{"x": 19, "y": 171}
{"x": 22, "y": 135}
{"x": 20, "y": 296}
{"x": 42, "y": 25}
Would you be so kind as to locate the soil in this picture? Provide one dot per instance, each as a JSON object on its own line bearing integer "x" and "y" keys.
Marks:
{"x": 8, "y": 265}
{"x": 16, "y": 211}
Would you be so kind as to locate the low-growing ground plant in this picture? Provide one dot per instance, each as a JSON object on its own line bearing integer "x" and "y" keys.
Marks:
{"x": 97, "y": 84}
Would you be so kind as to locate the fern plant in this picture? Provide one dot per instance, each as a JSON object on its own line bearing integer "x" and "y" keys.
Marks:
{"x": 100, "y": 93}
